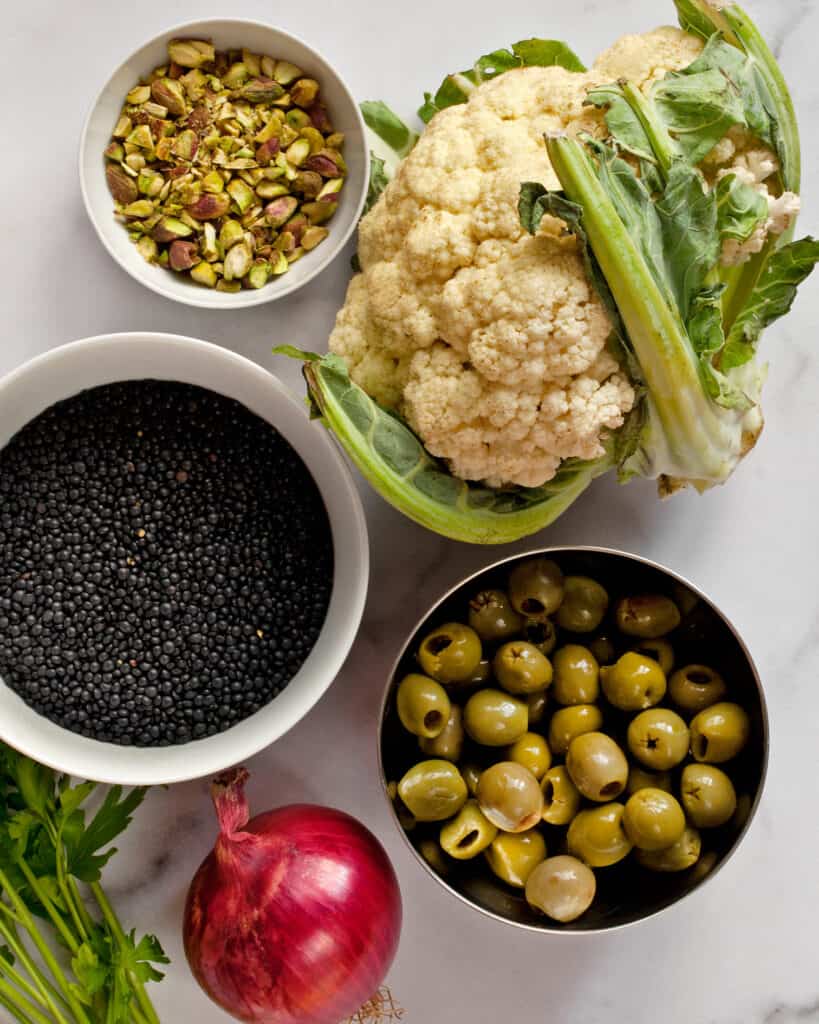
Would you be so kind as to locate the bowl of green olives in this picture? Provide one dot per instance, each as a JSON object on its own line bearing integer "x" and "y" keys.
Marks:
{"x": 573, "y": 739}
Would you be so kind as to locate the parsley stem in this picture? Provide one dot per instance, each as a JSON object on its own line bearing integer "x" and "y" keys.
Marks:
{"x": 44, "y": 993}
{"x": 53, "y": 913}
{"x": 22, "y": 1009}
{"x": 115, "y": 927}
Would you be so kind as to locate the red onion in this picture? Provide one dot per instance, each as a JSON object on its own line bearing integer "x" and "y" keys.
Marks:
{"x": 294, "y": 917}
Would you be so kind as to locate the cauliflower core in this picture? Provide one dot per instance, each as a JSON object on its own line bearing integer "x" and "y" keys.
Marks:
{"x": 489, "y": 342}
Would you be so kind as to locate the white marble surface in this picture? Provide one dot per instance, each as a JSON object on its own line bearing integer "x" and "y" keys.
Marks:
{"x": 743, "y": 950}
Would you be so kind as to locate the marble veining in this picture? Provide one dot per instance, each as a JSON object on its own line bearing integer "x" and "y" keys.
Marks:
{"x": 743, "y": 950}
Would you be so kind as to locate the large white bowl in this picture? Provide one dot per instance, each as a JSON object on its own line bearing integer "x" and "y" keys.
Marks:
{"x": 37, "y": 385}
{"x": 225, "y": 34}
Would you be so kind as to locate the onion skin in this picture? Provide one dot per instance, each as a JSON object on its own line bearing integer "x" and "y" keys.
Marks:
{"x": 295, "y": 916}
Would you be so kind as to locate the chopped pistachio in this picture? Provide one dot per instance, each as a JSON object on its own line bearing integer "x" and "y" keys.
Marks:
{"x": 280, "y": 210}
{"x": 236, "y": 76}
{"x": 150, "y": 183}
{"x": 272, "y": 130}
{"x": 114, "y": 151}
{"x": 296, "y": 254}
{"x": 169, "y": 229}
{"x": 123, "y": 127}
{"x": 261, "y": 90}
{"x": 147, "y": 248}
{"x": 267, "y": 66}
{"x": 335, "y": 141}
{"x": 298, "y": 119}
{"x": 186, "y": 144}
{"x": 139, "y": 208}
{"x": 209, "y": 207}
{"x": 141, "y": 136}
{"x": 319, "y": 212}
{"x": 194, "y": 83}
{"x": 210, "y": 244}
{"x": 155, "y": 110}
{"x": 314, "y": 137}
{"x": 304, "y": 92}
{"x": 259, "y": 274}
{"x": 163, "y": 149}
{"x": 139, "y": 94}
{"x": 312, "y": 236}
{"x": 332, "y": 187}
{"x": 252, "y": 61}
{"x": 297, "y": 152}
{"x": 287, "y": 135}
{"x": 271, "y": 189}
{"x": 279, "y": 264}
{"x": 228, "y": 286}
{"x": 169, "y": 94}
{"x": 136, "y": 161}
{"x": 283, "y": 101}
{"x": 328, "y": 162}
{"x": 191, "y": 53}
{"x": 213, "y": 182}
{"x": 237, "y": 261}
{"x": 121, "y": 187}
{"x": 285, "y": 72}
{"x": 308, "y": 183}
{"x": 231, "y": 232}
{"x": 183, "y": 255}
{"x": 241, "y": 194}
{"x": 203, "y": 273}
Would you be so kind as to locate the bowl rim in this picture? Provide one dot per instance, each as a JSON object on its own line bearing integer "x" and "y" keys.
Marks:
{"x": 547, "y": 928}
{"x": 349, "y": 527}
{"x": 246, "y": 299}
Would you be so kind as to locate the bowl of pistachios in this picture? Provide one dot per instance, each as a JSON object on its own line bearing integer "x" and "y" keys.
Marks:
{"x": 224, "y": 164}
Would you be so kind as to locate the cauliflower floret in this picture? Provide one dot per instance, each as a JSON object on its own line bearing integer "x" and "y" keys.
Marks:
{"x": 492, "y": 343}
{"x": 754, "y": 167}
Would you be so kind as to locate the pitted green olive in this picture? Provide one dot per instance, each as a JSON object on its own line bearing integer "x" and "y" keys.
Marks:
{"x": 598, "y": 767}
{"x": 532, "y": 751}
{"x": 471, "y": 773}
{"x": 561, "y": 798}
{"x": 602, "y": 647}
{"x": 719, "y": 733}
{"x": 648, "y": 616}
{"x": 537, "y": 704}
{"x": 568, "y": 723}
{"x": 660, "y": 650}
{"x": 542, "y": 634}
{"x": 696, "y": 687}
{"x": 451, "y": 653}
{"x": 494, "y": 718}
{"x": 520, "y": 668}
{"x": 423, "y": 705}
{"x": 510, "y": 796}
{"x": 658, "y": 738}
{"x": 492, "y": 616}
{"x": 584, "y": 604}
{"x": 633, "y": 682}
{"x": 639, "y": 778}
{"x": 562, "y": 888}
{"x": 434, "y": 856}
{"x": 536, "y": 588}
{"x": 679, "y": 857}
{"x": 449, "y": 743}
{"x": 597, "y": 836}
{"x": 433, "y": 790}
{"x": 703, "y": 867}
{"x": 653, "y": 819}
{"x": 708, "y": 795}
{"x": 513, "y": 857}
{"x": 576, "y": 675}
{"x": 468, "y": 834}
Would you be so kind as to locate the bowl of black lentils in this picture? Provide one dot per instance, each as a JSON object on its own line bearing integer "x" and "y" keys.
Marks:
{"x": 574, "y": 740}
{"x": 183, "y": 559}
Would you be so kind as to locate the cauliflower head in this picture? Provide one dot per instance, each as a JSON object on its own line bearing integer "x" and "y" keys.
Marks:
{"x": 491, "y": 343}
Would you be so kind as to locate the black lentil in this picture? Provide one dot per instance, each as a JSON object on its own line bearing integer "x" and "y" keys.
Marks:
{"x": 166, "y": 563}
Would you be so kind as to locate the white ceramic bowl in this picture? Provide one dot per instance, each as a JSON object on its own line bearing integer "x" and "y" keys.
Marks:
{"x": 226, "y": 34}
{"x": 37, "y": 385}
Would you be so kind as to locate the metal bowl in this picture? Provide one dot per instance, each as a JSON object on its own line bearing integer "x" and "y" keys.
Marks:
{"x": 626, "y": 893}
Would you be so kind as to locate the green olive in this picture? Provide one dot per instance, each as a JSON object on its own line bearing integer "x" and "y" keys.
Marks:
{"x": 639, "y": 778}
{"x": 520, "y": 668}
{"x": 584, "y": 604}
{"x": 602, "y": 647}
{"x": 576, "y": 675}
{"x": 660, "y": 650}
{"x": 708, "y": 795}
{"x": 492, "y": 616}
{"x": 433, "y": 790}
{"x": 562, "y": 888}
{"x": 532, "y": 751}
{"x": 597, "y": 836}
{"x": 658, "y": 738}
{"x": 449, "y": 743}
{"x": 541, "y": 634}
{"x": 598, "y": 767}
{"x": 480, "y": 677}
{"x": 568, "y": 723}
{"x": 648, "y": 616}
{"x": 406, "y": 819}
{"x": 536, "y": 588}
{"x": 653, "y": 819}
{"x": 719, "y": 733}
{"x": 510, "y": 796}
{"x": 696, "y": 687}
{"x": 434, "y": 856}
{"x": 471, "y": 773}
{"x": 682, "y": 855}
{"x": 494, "y": 718}
{"x": 704, "y": 866}
{"x": 451, "y": 653}
{"x": 468, "y": 834}
{"x": 423, "y": 705}
{"x": 561, "y": 798}
{"x": 514, "y": 857}
{"x": 537, "y": 704}
{"x": 392, "y": 789}
{"x": 633, "y": 682}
